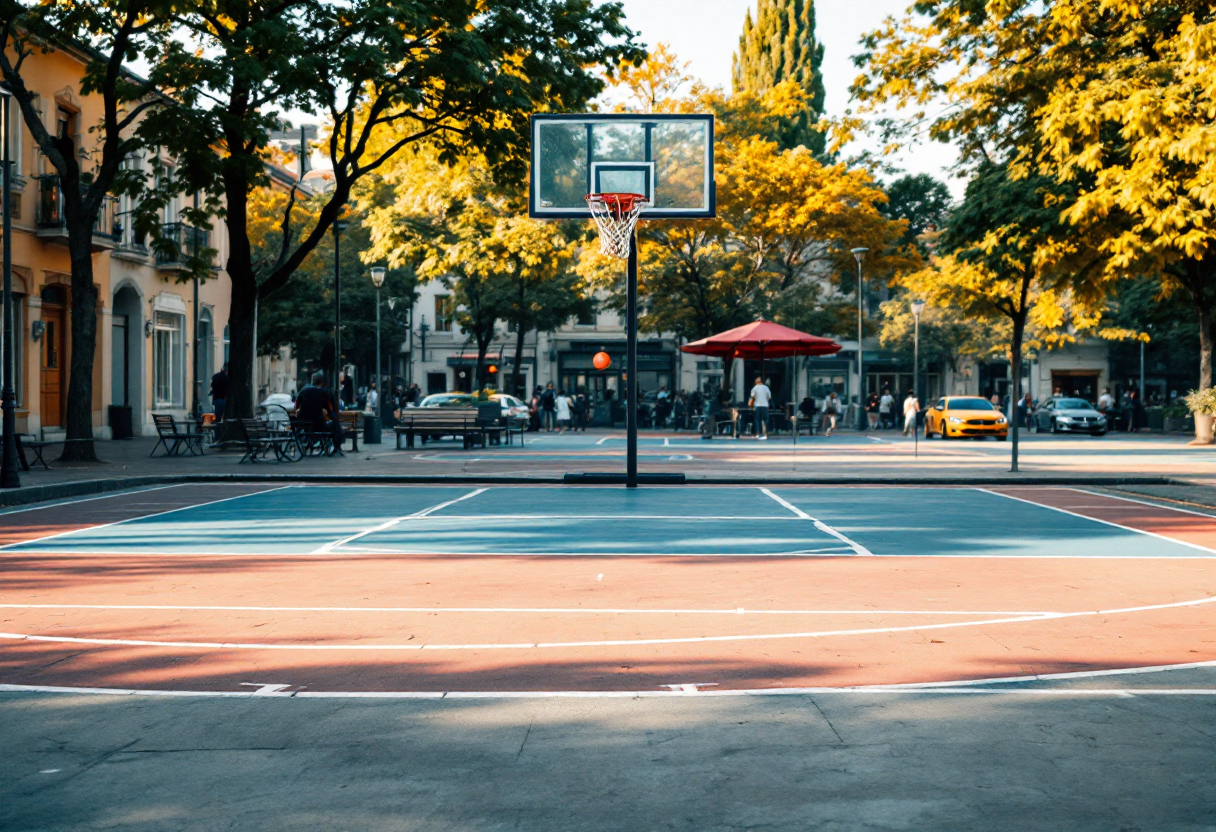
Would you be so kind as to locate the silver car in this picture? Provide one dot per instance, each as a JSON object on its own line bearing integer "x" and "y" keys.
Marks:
{"x": 1066, "y": 415}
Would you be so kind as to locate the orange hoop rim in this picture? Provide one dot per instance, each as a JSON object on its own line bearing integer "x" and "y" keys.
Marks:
{"x": 618, "y": 204}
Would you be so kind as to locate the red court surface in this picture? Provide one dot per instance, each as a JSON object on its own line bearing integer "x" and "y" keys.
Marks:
{"x": 366, "y": 623}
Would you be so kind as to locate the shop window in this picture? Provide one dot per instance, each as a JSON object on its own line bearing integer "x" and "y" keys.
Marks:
{"x": 169, "y": 360}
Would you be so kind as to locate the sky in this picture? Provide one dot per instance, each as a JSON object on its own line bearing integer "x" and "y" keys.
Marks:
{"x": 706, "y": 33}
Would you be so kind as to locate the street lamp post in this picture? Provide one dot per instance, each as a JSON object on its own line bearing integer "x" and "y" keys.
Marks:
{"x": 339, "y": 227}
{"x": 859, "y": 254}
{"x": 8, "y": 396}
{"x": 378, "y": 281}
{"x": 918, "y": 306}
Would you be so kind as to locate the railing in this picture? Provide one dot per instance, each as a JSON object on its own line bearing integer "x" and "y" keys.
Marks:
{"x": 51, "y": 210}
{"x": 187, "y": 242}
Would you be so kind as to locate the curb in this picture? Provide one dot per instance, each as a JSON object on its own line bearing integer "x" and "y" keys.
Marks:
{"x": 59, "y": 491}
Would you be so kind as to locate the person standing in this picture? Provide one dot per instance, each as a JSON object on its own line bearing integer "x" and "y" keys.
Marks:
{"x": 548, "y": 407}
{"x": 873, "y": 411}
{"x": 219, "y": 393}
{"x": 534, "y": 411}
{"x": 679, "y": 410}
{"x": 713, "y": 412}
{"x": 1135, "y": 416}
{"x": 831, "y": 408}
{"x": 579, "y": 409}
{"x": 911, "y": 409}
{"x": 886, "y": 409}
{"x": 562, "y": 405}
{"x": 1025, "y": 412}
{"x": 347, "y": 392}
{"x": 373, "y": 400}
{"x": 761, "y": 395}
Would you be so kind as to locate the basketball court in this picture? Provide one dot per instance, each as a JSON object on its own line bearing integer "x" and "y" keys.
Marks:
{"x": 512, "y": 590}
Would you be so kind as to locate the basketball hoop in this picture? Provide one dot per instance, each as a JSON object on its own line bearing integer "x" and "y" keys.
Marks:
{"x": 616, "y": 215}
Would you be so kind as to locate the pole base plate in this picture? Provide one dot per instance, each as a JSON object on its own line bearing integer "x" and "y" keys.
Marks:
{"x": 612, "y": 478}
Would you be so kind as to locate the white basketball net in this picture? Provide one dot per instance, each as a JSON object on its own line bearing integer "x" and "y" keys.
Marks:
{"x": 616, "y": 215}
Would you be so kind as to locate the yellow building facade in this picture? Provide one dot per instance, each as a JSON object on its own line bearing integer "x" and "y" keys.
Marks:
{"x": 151, "y": 318}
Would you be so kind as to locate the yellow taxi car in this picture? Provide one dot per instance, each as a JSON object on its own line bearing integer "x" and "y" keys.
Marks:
{"x": 955, "y": 417}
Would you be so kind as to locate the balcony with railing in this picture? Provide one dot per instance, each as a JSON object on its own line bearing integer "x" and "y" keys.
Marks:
{"x": 51, "y": 220}
{"x": 185, "y": 242}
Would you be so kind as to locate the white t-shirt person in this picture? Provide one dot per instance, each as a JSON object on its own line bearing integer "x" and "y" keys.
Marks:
{"x": 761, "y": 395}
{"x": 911, "y": 408}
{"x": 563, "y": 408}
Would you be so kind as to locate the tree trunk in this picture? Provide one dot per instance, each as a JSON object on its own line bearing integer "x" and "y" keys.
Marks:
{"x": 1015, "y": 363}
{"x": 1206, "y": 340}
{"x": 240, "y": 348}
{"x": 79, "y": 422}
{"x": 482, "y": 349}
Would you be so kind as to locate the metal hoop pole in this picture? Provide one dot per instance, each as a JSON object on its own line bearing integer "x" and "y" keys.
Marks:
{"x": 9, "y": 478}
{"x": 631, "y": 364}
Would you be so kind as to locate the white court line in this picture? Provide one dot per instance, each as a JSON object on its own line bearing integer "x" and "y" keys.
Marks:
{"x": 819, "y": 524}
{"x": 1145, "y": 503}
{"x": 1104, "y": 522}
{"x": 329, "y": 547}
{"x": 961, "y": 688}
{"x": 144, "y": 517}
{"x": 605, "y": 439}
{"x": 833, "y": 552}
{"x": 524, "y": 610}
{"x": 109, "y": 495}
{"x": 1076, "y": 674}
{"x": 599, "y": 643}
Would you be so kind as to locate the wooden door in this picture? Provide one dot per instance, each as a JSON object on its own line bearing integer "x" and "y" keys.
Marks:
{"x": 52, "y": 365}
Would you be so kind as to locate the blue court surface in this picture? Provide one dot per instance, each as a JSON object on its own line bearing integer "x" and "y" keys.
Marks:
{"x": 736, "y": 522}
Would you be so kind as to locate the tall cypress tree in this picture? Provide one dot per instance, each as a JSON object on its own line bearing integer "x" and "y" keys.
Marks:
{"x": 779, "y": 46}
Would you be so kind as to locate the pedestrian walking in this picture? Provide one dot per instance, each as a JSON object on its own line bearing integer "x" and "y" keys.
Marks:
{"x": 1025, "y": 412}
{"x": 219, "y": 393}
{"x": 911, "y": 409}
{"x": 886, "y": 409}
{"x": 534, "y": 411}
{"x": 373, "y": 400}
{"x": 873, "y": 411}
{"x": 761, "y": 395}
{"x": 548, "y": 407}
{"x": 579, "y": 409}
{"x": 563, "y": 407}
{"x": 1135, "y": 412}
{"x": 831, "y": 408}
{"x": 713, "y": 412}
{"x": 679, "y": 412}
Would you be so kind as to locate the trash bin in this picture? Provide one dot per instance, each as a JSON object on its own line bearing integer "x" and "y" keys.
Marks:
{"x": 120, "y": 421}
{"x": 371, "y": 430}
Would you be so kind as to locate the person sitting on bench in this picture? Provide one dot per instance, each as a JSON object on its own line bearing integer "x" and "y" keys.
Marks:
{"x": 315, "y": 404}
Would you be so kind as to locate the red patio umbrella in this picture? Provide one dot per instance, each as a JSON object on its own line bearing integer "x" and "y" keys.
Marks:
{"x": 762, "y": 339}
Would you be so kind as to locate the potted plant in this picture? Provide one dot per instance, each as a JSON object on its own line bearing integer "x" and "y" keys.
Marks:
{"x": 1203, "y": 404}
{"x": 1177, "y": 417}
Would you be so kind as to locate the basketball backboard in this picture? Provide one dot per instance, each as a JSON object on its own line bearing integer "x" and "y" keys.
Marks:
{"x": 667, "y": 158}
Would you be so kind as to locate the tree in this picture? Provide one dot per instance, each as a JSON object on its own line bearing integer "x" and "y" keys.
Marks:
{"x": 1006, "y": 261}
{"x": 1133, "y": 130}
{"x": 920, "y": 200}
{"x": 457, "y": 225}
{"x": 946, "y": 334}
{"x": 461, "y": 74}
{"x": 106, "y": 36}
{"x": 302, "y": 315}
{"x": 781, "y": 46}
{"x": 1005, "y": 252}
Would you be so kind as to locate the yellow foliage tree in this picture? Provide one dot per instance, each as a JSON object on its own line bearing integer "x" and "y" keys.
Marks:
{"x": 1132, "y": 126}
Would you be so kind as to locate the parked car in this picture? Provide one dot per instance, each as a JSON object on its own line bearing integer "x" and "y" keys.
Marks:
{"x": 277, "y": 408}
{"x": 1066, "y": 415}
{"x": 955, "y": 417}
{"x": 511, "y": 406}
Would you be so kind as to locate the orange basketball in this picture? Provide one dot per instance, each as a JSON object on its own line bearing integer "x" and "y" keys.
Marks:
{"x": 602, "y": 361}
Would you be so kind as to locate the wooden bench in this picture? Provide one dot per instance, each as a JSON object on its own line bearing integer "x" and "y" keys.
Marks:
{"x": 439, "y": 421}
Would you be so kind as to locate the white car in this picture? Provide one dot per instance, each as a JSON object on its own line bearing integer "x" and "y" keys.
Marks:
{"x": 277, "y": 408}
{"x": 511, "y": 406}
